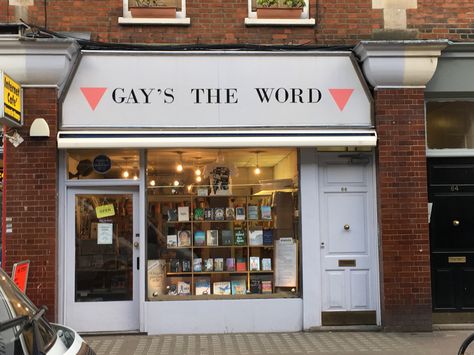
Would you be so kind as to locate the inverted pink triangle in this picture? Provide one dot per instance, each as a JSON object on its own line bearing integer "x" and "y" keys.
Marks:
{"x": 341, "y": 96}
{"x": 93, "y": 96}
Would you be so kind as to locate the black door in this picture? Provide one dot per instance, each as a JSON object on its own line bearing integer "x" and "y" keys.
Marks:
{"x": 451, "y": 192}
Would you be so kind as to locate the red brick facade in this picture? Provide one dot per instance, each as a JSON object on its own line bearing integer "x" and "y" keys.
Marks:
{"x": 403, "y": 209}
{"x": 31, "y": 200}
{"x": 217, "y": 21}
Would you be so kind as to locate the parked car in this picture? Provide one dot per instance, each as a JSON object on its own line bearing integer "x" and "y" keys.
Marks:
{"x": 25, "y": 330}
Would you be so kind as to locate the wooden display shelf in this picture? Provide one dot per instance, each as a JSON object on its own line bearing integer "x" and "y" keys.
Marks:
{"x": 196, "y": 273}
{"x": 224, "y": 297}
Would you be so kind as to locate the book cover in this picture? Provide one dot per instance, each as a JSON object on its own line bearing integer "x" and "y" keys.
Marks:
{"x": 227, "y": 237}
{"x": 172, "y": 214}
{"x": 254, "y": 263}
{"x": 230, "y": 213}
{"x": 266, "y": 264}
{"x": 174, "y": 265}
{"x": 241, "y": 265}
{"x": 256, "y": 237}
{"x": 203, "y": 286}
{"x": 267, "y": 237}
{"x": 255, "y": 286}
{"x": 239, "y": 287}
{"x": 266, "y": 286}
{"x": 239, "y": 237}
{"x": 171, "y": 240}
{"x": 197, "y": 264}
{"x": 184, "y": 288}
{"x": 184, "y": 238}
{"x": 266, "y": 212}
{"x": 230, "y": 264}
{"x": 199, "y": 238}
{"x": 199, "y": 214}
{"x": 218, "y": 264}
{"x": 202, "y": 191}
{"x": 219, "y": 214}
{"x": 221, "y": 288}
{"x": 252, "y": 212}
{"x": 240, "y": 213}
{"x": 186, "y": 265}
{"x": 209, "y": 264}
{"x": 212, "y": 237}
{"x": 209, "y": 214}
{"x": 172, "y": 289}
{"x": 183, "y": 213}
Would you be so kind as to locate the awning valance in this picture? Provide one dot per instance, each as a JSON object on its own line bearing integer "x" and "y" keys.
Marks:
{"x": 216, "y": 139}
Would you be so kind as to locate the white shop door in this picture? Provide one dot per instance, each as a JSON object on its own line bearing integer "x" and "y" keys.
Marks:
{"x": 348, "y": 233}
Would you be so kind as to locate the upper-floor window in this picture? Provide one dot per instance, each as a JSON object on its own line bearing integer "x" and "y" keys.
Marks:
{"x": 278, "y": 11}
{"x": 154, "y": 11}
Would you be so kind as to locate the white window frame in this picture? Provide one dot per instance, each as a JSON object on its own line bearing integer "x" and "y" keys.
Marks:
{"x": 304, "y": 20}
{"x": 180, "y": 19}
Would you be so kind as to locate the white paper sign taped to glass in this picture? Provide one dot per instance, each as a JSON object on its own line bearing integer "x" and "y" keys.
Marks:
{"x": 11, "y": 102}
{"x": 105, "y": 232}
{"x": 285, "y": 263}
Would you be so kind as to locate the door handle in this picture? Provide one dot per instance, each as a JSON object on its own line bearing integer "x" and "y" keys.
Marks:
{"x": 136, "y": 244}
{"x": 322, "y": 245}
{"x": 456, "y": 223}
{"x": 347, "y": 227}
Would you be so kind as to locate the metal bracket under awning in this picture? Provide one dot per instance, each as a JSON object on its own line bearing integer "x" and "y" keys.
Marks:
{"x": 216, "y": 139}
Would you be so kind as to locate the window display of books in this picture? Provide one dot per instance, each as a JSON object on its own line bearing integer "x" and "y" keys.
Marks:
{"x": 219, "y": 246}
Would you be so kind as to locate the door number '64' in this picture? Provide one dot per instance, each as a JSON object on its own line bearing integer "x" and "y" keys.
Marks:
{"x": 454, "y": 188}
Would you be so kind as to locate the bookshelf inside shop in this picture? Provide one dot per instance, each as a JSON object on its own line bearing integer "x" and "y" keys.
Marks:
{"x": 219, "y": 246}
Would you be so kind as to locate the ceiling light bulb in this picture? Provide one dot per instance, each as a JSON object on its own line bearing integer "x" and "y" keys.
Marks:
{"x": 152, "y": 182}
{"x": 198, "y": 179}
{"x": 190, "y": 187}
{"x": 135, "y": 177}
{"x": 179, "y": 167}
{"x": 176, "y": 183}
{"x": 257, "y": 171}
{"x": 198, "y": 172}
{"x": 125, "y": 174}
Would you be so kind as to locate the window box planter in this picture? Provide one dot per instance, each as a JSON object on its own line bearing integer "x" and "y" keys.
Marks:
{"x": 279, "y": 12}
{"x": 153, "y": 12}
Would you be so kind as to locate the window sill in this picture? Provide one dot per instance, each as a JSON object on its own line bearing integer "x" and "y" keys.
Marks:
{"x": 154, "y": 21}
{"x": 279, "y": 22}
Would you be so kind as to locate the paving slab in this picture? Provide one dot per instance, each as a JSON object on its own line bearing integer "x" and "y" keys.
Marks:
{"x": 341, "y": 343}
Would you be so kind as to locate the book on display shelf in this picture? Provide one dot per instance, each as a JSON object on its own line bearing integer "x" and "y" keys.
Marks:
{"x": 241, "y": 264}
{"x": 197, "y": 264}
{"x": 266, "y": 264}
{"x": 208, "y": 214}
{"x": 240, "y": 213}
{"x": 172, "y": 214}
{"x": 221, "y": 288}
{"x": 184, "y": 238}
{"x": 239, "y": 287}
{"x": 199, "y": 238}
{"x": 227, "y": 237}
{"x": 254, "y": 263}
{"x": 255, "y": 286}
{"x": 219, "y": 214}
{"x": 256, "y": 237}
{"x": 212, "y": 237}
{"x": 198, "y": 214}
{"x": 266, "y": 212}
{"x": 239, "y": 237}
{"x": 203, "y": 286}
{"x": 266, "y": 286}
{"x": 186, "y": 265}
{"x": 252, "y": 212}
{"x": 184, "y": 288}
{"x": 267, "y": 237}
{"x": 230, "y": 264}
{"x": 218, "y": 264}
{"x": 174, "y": 265}
{"x": 208, "y": 264}
{"x": 171, "y": 240}
{"x": 230, "y": 213}
{"x": 183, "y": 213}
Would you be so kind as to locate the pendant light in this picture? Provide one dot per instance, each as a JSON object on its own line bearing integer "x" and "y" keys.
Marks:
{"x": 257, "y": 170}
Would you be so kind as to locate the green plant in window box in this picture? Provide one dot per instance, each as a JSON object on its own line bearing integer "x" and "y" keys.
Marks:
{"x": 280, "y": 9}
{"x": 152, "y": 9}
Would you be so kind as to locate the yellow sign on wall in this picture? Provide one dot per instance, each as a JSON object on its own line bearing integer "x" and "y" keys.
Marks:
{"x": 105, "y": 211}
{"x": 12, "y": 99}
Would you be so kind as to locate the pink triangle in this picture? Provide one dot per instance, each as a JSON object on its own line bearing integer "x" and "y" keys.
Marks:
{"x": 341, "y": 96}
{"x": 93, "y": 96}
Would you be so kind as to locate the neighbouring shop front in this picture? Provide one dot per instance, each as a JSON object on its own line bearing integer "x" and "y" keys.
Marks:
{"x": 217, "y": 192}
{"x": 449, "y": 116}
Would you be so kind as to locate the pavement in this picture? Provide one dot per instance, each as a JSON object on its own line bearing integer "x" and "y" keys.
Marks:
{"x": 341, "y": 343}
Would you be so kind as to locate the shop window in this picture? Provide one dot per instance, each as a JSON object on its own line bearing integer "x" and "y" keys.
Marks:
{"x": 100, "y": 164}
{"x": 154, "y": 11}
{"x": 291, "y": 12}
{"x": 222, "y": 223}
{"x": 450, "y": 124}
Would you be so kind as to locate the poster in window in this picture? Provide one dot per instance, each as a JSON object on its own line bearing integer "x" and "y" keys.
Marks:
{"x": 285, "y": 263}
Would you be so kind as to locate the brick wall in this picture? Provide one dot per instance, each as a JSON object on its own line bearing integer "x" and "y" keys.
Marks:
{"x": 31, "y": 200}
{"x": 220, "y": 21}
{"x": 403, "y": 213}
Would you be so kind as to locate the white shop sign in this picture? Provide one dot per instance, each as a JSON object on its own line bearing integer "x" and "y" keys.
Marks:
{"x": 159, "y": 89}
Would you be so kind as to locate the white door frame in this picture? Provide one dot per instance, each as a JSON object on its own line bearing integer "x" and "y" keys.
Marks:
{"x": 124, "y": 315}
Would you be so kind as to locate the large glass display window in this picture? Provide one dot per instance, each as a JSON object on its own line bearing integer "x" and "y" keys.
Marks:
{"x": 222, "y": 223}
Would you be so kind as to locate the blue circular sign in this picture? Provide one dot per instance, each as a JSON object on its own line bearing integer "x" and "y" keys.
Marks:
{"x": 102, "y": 164}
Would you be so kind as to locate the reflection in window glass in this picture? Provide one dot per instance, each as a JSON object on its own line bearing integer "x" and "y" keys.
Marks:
{"x": 450, "y": 124}
{"x": 219, "y": 221}
{"x": 103, "y": 164}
